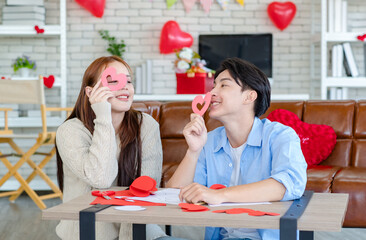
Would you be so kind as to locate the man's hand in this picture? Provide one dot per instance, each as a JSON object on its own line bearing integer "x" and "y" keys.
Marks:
{"x": 194, "y": 193}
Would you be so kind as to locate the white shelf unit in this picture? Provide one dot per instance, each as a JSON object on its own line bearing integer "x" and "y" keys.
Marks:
{"x": 51, "y": 31}
{"x": 323, "y": 39}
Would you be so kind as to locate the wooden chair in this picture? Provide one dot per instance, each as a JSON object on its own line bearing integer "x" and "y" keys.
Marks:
{"x": 27, "y": 92}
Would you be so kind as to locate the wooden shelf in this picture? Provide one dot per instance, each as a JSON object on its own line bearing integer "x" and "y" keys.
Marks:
{"x": 337, "y": 37}
{"x": 28, "y": 31}
{"x": 56, "y": 84}
{"x": 345, "y": 82}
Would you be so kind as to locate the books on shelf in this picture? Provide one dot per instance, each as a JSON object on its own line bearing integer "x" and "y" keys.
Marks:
{"x": 350, "y": 59}
{"x": 25, "y": 2}
{"x": 337, "y": 15}
{"x": 342, "y": 58}
{"x": 23, "y": 15}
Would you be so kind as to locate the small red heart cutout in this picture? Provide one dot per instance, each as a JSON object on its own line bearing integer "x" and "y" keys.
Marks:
{"x": 49, "y": 81}
{"x": 361, "y": 37}
{"x": 317, "y": 141}
{"x": 281, "y": 13}
{"x": 203, "y": 102}
{"x": 217, "y": 186}
{"x": 38, "y": 30}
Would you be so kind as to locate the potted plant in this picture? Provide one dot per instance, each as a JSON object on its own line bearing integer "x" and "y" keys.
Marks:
{"x": 114, "y": 48}
{"x": 192, "y": 75}
{"x": 23, "y": 65}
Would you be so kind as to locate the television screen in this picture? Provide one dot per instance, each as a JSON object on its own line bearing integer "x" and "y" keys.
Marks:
{"x": 255, "y": 48}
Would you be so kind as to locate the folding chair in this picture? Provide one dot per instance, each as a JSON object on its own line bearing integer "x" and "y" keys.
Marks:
{"x": 27, "y": 92}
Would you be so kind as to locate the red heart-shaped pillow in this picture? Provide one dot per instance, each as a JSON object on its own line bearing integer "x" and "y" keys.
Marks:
{"x": 317, "y": 141}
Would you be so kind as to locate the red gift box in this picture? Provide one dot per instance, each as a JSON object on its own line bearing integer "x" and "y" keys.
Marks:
{"x": 194, "y": 83}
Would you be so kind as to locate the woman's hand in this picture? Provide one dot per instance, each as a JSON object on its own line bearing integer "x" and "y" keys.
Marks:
{"x": 194, "y": 193}
{"x": 195, "y": 133}
{"x": 98, "y": 94}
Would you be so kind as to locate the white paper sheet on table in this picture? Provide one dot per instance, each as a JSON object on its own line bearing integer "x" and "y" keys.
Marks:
{"x": 237, "y": 204}
{"x": 171, "y": 196}
{"x": 168, "y": 196}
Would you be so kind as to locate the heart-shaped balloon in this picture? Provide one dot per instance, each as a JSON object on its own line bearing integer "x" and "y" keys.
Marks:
{"x": 49, "y": 81}
{"x": 173, "y": 38}
{"x": 111, "y": 73}
{"x": 96, "y": 7}
{"x": 203, "y": 103}
{"x": 281, "y": 13}
{"x": 317, "y": 141}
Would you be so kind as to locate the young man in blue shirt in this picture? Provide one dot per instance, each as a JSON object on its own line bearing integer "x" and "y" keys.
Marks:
{"x": 258, "y": 160}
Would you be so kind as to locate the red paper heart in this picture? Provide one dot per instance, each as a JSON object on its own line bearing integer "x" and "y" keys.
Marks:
{"x": 96, "y": 7}
{"x": 281, "y": 13}
{"x": 38, "y": 30}
{"x": 49, "y": 81}
{"x": 187, "y": 207}
{"x": 204, "y": 102}
{"x": 172, "y": 38}
{"x": 317, "y": 141}
{"x": 217, "y": 186}
{"x": 142, "y": 186}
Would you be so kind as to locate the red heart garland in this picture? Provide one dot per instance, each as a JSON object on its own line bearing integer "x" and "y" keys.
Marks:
{"x": 49, "y": 81}
{"x": 281, "y": 14}
{"x": 38, "y": 30}
{"x": 172, "y": 38}
{"x": 96, "y": 7}
{"x": 317, "y": 141}
{"x": 142, "y": 186}
{"x": 361, "y": 37}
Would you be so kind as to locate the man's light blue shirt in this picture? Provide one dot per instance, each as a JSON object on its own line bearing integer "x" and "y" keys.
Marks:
{"x": 273, "y": 151}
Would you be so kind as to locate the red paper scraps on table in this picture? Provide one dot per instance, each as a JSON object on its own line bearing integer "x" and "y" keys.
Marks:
{"x": 187, "y": 207}
{"x": 142, "y": 186}
{"x": 250, "y": 212}
{"x": 217, "y": 186}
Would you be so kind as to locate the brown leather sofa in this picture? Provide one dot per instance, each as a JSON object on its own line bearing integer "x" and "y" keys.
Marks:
{"x": 344, "y": 171}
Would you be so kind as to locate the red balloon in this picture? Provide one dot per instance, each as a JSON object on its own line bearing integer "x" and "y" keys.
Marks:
{"x": 281, "y": 14}
{"x": 172, "y": 38}
{"x": 96, "y": 7}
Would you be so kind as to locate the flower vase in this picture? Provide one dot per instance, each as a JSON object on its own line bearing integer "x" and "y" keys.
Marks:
{"x": 24, "y": 72}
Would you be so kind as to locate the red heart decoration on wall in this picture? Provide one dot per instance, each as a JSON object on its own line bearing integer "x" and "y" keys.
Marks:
{"x": 172, "y": 38}
{"x": 38, "y": 30}
{"x": 317, "y": 141}
{"x": 49, "y": 81}
{"x": 96, "y": 7}
{"x": 281, "y": 14}
{"x": 361, "y": 37}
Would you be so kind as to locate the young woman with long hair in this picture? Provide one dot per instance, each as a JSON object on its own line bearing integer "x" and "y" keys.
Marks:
{"x": 104, "y": 143}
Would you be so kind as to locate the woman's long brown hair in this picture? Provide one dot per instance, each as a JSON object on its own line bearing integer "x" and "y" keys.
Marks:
{"x": 129, "y": 162}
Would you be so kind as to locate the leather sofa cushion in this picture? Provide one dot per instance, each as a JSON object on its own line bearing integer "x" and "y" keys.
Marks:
{"x": 359, "y": 153}
{"x": 152, "y": 108}
{"x": 360, "y": 120}
{"x": 337, "y": 114}
{"x": 292, "y": 106}
{"x": 352, "y": 180}
{"x": 341, "y": 154}
{"x": 174, "y": 117}
{"x": 320, "y": 178}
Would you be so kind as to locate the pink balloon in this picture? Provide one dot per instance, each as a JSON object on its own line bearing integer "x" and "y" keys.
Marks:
{"x": 172, "y": 38}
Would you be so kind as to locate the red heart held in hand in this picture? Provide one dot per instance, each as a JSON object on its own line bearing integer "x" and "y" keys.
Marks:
{"x": 317, "y": 141}
{"x": 38, "y": 30}
{"x": 281, "y": 13}
{"x": 49, "y": 81}
{"x": 172, "y": 38}
{"x": 96, "y": 7}
{"x": 204, "y": 103}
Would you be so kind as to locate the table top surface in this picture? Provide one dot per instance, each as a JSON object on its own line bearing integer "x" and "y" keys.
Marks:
{"x": 325, "y": 212}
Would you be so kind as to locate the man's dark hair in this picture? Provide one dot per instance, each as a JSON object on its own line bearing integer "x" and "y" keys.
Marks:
{"x": 248, "y": 76}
